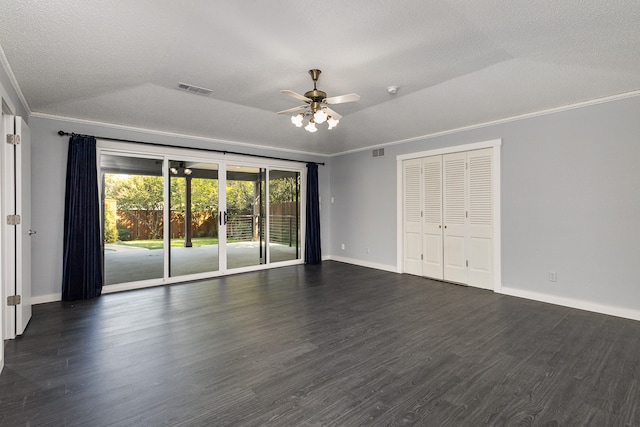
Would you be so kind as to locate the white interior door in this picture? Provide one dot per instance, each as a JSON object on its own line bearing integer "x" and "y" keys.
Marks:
{"x": 412, "y": 221}
{"x": 24, "y": 231}
{"x": 17, "y": 230}
{"x": 480, "y": 241}
{"x": 432, "y": 218}
{"x": 455, "y": 217}
{"x": 2, "y": 246}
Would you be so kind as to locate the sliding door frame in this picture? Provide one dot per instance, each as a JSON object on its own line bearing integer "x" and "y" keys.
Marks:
{"x": 497, "y": 250}
{"x": 177, "y": 153}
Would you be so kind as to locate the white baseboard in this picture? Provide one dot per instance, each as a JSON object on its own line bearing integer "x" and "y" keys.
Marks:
{"x": 535, "y": 296}
{"x": 390, "y": 268}
{"x": 573, "y": 303}
{"x": 42, "y": 299}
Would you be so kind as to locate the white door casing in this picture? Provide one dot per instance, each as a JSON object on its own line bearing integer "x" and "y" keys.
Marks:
{"x": 8, "y": 231}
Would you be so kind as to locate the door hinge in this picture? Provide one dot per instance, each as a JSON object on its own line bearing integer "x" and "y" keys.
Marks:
{"x": 13, "y": 139}
{"x": 421, "y": 257}
{"x": 14, "y": 300}
{"x": 13, "y": 219}
{"x": 467, "y": 263}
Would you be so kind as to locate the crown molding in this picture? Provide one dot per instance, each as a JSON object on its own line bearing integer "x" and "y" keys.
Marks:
{"x": 14, "y": 82}
{"x": 583, "y": 104}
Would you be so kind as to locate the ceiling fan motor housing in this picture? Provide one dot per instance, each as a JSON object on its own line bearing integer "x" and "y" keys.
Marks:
{"x": 315, "y": 95}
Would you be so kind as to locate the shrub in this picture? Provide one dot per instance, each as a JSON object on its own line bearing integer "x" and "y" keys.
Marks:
{"x": 110, "y": 231}
{"x": 124, "y": 234}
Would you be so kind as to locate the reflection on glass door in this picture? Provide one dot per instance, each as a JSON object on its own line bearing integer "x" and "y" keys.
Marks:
{"x": 284, "y": 215}
{"x": 133, "y": 215}
{"x": 194, "y": 218}
{"x": 245, "y": 216}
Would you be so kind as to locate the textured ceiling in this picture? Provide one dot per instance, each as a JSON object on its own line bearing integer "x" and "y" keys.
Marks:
{"x": 457, "y": 63}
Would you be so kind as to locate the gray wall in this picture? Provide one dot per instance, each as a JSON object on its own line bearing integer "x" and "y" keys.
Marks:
{"x": 49, "y": 160}
{"x": 570, "y": 202}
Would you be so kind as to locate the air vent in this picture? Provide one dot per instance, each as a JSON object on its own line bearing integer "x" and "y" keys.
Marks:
{"x": 194, "y": 89}
{"x": 379, "y": 152}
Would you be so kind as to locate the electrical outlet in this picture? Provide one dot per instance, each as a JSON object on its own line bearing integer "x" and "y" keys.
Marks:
{"x": 342, "y": 246}
{"x": 553, "y": 277}
{"x": 368, "y": 250}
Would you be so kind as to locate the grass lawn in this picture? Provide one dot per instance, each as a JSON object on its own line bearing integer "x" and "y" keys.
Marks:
{"x": 175, "y": 243}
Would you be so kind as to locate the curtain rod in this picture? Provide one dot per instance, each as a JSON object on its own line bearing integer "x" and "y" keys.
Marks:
{"x": 211, "y": 150}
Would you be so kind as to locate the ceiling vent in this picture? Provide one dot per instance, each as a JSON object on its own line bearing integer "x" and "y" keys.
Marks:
{"x": 379, "y": 152}
{"x": 194, "y": 89}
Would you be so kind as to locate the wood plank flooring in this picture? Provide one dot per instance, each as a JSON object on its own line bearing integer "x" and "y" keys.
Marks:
{"x": 329, "y": 345}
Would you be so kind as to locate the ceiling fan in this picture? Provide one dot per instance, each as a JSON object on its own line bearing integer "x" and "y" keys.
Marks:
{"x": 317, "y": 105}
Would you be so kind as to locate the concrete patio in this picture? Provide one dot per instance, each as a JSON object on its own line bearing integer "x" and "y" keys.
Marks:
{"x": 124, "y": 264}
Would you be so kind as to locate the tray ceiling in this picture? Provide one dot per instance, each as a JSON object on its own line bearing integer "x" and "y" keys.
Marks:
{"x": 457, "y": 63}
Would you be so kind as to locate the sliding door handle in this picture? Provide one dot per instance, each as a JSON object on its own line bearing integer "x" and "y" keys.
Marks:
{"x": 225, "y": 217}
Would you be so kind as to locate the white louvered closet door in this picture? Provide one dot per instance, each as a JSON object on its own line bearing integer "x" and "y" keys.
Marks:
{"x": 455, "y": 213}
{"x": 432, "y": 217}
{"x": 480, "y": 235}
{"x": 412, "y": 211}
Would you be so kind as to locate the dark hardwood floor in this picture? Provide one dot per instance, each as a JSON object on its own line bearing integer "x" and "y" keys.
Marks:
{"x": 334, "y": 345}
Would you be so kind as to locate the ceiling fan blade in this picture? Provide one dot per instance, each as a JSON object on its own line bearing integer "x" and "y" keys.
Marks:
{"x": 332, "y": 113}
{"x": 294, "y": 109}
{"x": 295, "y": 95}
{"x": 352, "y": 97}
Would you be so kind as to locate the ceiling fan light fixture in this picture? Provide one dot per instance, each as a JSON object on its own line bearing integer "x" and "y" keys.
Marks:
{"x": 317, "y": 106}
{"x": 332, "y": 122}
{"x": 311, "y": 127}
{"x": 297, "y": 120}
{"x": 320, "y": 116}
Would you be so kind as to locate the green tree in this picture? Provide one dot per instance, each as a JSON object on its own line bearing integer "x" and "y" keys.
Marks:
{"x": 240, "y": 197}
{"x": 204, "y": 199}
{"x": 140, "y": 196}
{"x": 283, "y": 190}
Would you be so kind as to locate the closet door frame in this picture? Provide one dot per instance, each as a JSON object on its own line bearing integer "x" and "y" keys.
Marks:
{"x": 495, "y": 145}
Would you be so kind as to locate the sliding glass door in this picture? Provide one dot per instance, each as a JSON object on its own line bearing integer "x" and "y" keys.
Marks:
{"x": 193, "y": 189}
{"x": 284, "y": 215}
{"x": 133, "y": 218}
{"x": 171, "y": 217}
{"x": 245, "y": 216}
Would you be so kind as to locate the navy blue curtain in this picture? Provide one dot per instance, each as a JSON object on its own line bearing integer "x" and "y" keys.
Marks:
{"x": 312, "y": 253}
{"x": 82, "y": 259}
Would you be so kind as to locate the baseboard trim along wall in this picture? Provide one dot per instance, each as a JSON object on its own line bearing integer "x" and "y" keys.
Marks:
{"x": 43, "y": 299}
{"x": 519, "y": 293}
{"x": 573, "y": 303}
